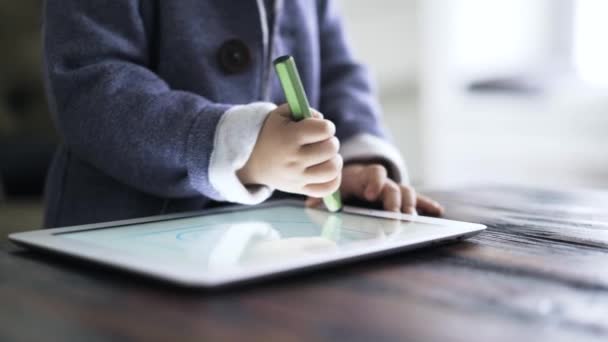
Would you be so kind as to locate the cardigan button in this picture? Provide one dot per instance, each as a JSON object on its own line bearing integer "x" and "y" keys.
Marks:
{"x": 234, "y": 56}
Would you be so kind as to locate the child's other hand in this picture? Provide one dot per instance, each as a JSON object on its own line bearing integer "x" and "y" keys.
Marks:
{"x": 370, "y": 183}
{"x": 297, "y": 157}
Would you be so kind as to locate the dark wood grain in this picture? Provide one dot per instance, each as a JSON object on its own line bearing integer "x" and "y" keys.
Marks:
{"x": 539, "y": 273}
{"x": 553, "y": 234}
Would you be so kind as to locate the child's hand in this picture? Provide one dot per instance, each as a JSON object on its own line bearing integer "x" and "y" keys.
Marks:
{"x": 297, "y": 157}
{"x": 370, "y": 183}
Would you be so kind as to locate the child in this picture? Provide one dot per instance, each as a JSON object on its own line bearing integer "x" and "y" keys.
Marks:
{"x": 168, "y": 106}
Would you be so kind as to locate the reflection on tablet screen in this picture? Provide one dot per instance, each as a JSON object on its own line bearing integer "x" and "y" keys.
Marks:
{"x": 253, "y": 237}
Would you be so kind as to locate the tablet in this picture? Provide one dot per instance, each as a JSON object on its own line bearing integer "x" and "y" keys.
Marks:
{"x": 222, "y": 246}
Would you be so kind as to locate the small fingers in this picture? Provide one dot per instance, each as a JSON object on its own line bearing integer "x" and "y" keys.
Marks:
{"x": 376, "y": 178}
{"x": 322, "y": 189}
{"x": 312, "y": 202}
{"x": 316, "y": 115}
{"x": 324, "y": 172}
{"x": 408, "y": 199}
{"x": 310, "y": 131}
{"x": 391, "y": 196}
{"x": 428, "y": 206}
{"x": 285, "y": 110}
{"x": 319, "y": 152}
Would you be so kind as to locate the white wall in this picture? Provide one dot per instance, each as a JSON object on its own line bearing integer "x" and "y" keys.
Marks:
{"x": 556, "y": 137}
{"x": 424, "y": 52}
{"x": 384, "y": 34}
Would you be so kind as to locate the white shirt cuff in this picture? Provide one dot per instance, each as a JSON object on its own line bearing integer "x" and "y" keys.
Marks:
{"x": 366, "y": 146}
{"x": 235, "y": 137}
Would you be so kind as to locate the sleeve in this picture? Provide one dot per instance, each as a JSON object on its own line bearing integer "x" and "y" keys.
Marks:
{"x": 115, "y": 113}
{"x": 347, "y": 98}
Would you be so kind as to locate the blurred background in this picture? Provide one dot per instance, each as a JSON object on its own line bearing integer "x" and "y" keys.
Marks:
{"x": 473, "y": 91}
{"x": 492, "y": 91}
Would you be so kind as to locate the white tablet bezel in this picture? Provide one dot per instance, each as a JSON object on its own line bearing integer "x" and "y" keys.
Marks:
{"x": 49, "y": 240}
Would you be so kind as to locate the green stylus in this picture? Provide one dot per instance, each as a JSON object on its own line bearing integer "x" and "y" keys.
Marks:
{"x": 289, "y": 77}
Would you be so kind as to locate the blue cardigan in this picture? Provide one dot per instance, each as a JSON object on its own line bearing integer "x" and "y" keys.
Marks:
{"x": 139, "y": 88}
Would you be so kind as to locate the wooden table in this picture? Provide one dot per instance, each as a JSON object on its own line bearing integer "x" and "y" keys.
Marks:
{"x": 540, "y": 272}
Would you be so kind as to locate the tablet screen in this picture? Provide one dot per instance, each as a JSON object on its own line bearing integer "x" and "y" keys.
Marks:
{"x": 246, "y": 238}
